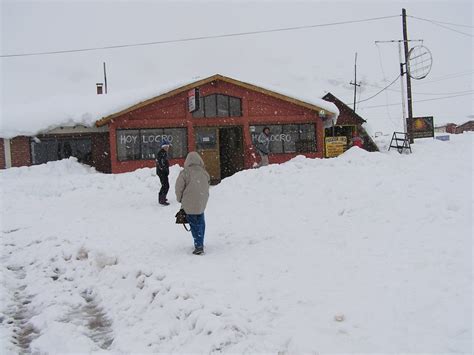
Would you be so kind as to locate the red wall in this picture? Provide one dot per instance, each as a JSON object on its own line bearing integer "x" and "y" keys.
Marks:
{"x": 20, "y": 151}
{"x": 257, "y": 109}
{"x": 101, "y": 152}
{"x": 2, "y": 154}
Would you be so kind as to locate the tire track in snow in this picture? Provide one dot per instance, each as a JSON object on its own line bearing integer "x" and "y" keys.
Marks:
{"x": 19, "y": 314}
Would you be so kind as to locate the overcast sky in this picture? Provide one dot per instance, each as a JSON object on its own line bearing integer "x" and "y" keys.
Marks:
{"x": 313, "y": 60}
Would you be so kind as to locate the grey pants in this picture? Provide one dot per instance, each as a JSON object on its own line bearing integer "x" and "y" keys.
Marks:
{"x": 263, "y": 159}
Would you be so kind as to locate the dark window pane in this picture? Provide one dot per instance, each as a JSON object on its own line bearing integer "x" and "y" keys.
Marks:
{"x": 44, "y": 150}
{"x": 307, "y": 139}
{"x": 150, "y": 140}
{"x": 290, "y": 135}
{"x": 206, "y": 139}
{"x": 210, "y": 108}
{"x": 200, "y": 112}
{"x": 179, "y": 142}
{"x": 128, "y": 144}
{"x": 276, "y": 139}
{"x": 235, "y": 106}
{"x": 222, "y": 105}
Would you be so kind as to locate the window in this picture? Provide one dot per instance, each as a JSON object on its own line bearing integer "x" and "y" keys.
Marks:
{"x": 218, "y": 105}
{"x": 144, "y": 144}
{"x": 290, "y": 138}
{"x": 51, "y": 149}
{"x": 210, "y": 106}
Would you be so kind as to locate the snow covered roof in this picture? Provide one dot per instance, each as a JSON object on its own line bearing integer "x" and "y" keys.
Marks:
{"x": 308, "y": 102}
{"x": 37, "y": 117}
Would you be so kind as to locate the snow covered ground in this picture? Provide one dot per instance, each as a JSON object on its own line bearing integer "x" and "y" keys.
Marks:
{"x": 368, "y": 252}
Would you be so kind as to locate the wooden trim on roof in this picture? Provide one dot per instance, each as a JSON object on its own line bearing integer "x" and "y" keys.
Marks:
{"x": 105, "y": 120}
{"x": 342, "y": 106}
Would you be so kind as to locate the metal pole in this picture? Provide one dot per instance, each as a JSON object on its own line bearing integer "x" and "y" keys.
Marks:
{"x": 105, "y": 79}
{"x": 402, "y": 73}
{"x": 355, "y": 80}
{"x": 409, "y": 97}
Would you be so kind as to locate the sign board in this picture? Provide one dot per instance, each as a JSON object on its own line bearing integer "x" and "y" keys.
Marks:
{"x": 193, "y": 100}
{"x": 335, "y": 146}
{"x": 422, "y": 127}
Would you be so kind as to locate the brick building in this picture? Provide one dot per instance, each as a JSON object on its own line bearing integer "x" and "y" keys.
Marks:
{"x": 219, "y": 117}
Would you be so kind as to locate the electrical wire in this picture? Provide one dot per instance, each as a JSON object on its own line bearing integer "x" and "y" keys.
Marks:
{"x": 443, "y": 26}
{"x": 385, "y": 88}
{"x": 443, "y": 22}
{"x": 435, "y": 99}
{"x": 422, "y": 93}
{"x": 189, "y": 39}
{"x": 385, "y": 79}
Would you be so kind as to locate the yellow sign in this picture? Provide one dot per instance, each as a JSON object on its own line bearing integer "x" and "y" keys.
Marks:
{"x": 335, "y": 146}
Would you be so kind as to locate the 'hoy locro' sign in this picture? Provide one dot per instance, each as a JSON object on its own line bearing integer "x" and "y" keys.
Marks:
{"x": 145, "y": 138}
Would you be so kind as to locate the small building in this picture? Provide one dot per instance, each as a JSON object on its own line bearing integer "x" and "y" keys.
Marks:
{"x": 90, "y": 145}
{"x": 465, "y": 127}
{"x": 220, "y": 118}
{"x": 341, "y": 132}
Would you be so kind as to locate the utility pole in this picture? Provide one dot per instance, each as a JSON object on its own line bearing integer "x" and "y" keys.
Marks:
{"x": 409, "y": 96}
{"x": 105, "y": 79}
{"x": 355, "y": 81}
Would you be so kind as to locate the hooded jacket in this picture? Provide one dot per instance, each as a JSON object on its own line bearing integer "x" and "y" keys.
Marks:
{"x": 192, "y": 185}
{"x": 263, "y": 143}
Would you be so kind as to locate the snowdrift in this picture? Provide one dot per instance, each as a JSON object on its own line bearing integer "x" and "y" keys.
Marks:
{"x": 368, "y": 252}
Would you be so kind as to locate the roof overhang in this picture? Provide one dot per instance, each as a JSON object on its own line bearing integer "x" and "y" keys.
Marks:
{"x": 217, "y": 77}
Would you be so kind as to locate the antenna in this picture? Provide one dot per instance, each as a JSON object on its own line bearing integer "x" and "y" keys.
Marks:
{"x": 105, "y": 79}
{"x": 355, "y": 81}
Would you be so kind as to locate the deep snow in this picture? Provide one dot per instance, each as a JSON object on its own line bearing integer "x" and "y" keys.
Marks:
{"x": 381, "y": 242}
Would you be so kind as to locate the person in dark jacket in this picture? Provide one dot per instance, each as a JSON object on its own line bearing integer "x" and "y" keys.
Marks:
{"x": 263, "y": 146}
{"x": 163, "y": 171}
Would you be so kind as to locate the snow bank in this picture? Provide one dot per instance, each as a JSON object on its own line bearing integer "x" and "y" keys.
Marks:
{"x": 367, "y": 252}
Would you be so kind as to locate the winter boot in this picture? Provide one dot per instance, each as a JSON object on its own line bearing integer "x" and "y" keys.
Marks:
{"x": 163, "y": 201}
{"x": 198, "y": 251}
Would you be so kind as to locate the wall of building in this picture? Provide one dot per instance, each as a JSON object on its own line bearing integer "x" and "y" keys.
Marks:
{"x": 2, "y": 154}
{"x": 20, "y": 151}
{"x": 257, "y": 109}
{"x": 465, "y": 127}
{"x": 101, "y": 152}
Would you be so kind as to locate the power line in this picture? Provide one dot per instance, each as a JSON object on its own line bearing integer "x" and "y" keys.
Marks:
{"x": 447, "y": 77}
{"x": 446, "y": 23}
{"x": 385, "y": 88}
{"x": 422, "y": 93}
{"x": 443, "y": 26}
{"x": 189, "y": 39}
{"x": 435, "y": 99}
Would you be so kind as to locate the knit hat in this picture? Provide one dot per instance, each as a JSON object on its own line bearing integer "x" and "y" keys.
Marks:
{"x": 165, "y": 143}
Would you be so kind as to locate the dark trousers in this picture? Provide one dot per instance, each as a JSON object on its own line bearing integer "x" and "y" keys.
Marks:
{"x": 165, "y": 186}
{"x": 198, "y": 228}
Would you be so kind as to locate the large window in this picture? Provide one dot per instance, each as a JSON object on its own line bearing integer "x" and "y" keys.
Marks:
{"x": 289, "y": 138}
{"x": 218, "y": 105}
{"x": 144, "y": 144}
{"x": 50, "y": 149}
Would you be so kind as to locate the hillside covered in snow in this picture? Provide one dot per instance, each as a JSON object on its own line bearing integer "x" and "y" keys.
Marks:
{"x": 367, "y": 252}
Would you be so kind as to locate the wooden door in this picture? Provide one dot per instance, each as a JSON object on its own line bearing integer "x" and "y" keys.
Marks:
{"x": 207, "y": 145}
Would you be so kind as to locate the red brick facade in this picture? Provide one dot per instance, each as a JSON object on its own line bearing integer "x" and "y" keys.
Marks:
{"x": 101, "y": 152}
{"x": 20, "y": 151}
{"x": 258, "y": 108}
{"x": 2, "y": 154}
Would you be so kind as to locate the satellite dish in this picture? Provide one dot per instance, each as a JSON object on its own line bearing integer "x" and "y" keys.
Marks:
{"x": 420, "y": 61}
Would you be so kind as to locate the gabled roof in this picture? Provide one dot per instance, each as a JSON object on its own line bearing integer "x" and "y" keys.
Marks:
{"x": 343, "y": 108}
{"x": 312, "y": 106}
